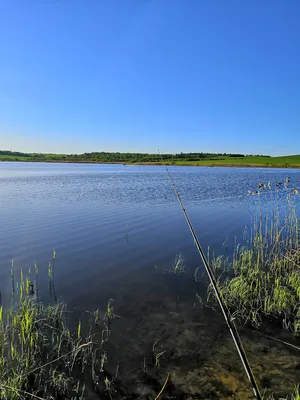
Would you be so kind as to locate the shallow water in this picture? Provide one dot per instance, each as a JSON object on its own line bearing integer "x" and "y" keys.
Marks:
{"x": 198, "y": 350}
{"x": 116, "y": 229}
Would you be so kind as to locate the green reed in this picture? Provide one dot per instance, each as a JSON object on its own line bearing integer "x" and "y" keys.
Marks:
{"x": 40, "y": 357}
{"x": 262, "y": 280}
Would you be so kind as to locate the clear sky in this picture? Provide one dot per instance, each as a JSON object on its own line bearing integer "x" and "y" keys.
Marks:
{"x": 138, "y": 75}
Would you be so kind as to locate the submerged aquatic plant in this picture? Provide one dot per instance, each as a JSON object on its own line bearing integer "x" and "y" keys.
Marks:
{"x": 103, "y": 360}
{"x": 157, "y": 355}
{"x": 179, "y": 266}
{"x": 110, "y": 315}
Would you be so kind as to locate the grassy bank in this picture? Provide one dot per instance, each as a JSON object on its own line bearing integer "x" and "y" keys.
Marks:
{"x": 193, "y": 159}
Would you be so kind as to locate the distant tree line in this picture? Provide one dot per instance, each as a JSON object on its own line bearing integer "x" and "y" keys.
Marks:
{"x": 121, "y": 157}
{"x": 14, "y": 153}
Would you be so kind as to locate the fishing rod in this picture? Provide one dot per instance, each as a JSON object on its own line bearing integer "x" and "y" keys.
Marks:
{"x": 225, "y": 311}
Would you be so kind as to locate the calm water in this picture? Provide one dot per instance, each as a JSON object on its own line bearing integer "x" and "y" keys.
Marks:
{"x": 115, "y": 227}
{"x": 107, "y": 220}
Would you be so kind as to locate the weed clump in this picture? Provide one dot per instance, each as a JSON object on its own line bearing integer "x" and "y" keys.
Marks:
{"x": 41, "y": 358}
{"x": 262, "y": 279}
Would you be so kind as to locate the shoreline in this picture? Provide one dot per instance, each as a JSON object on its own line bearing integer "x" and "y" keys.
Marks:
{"x": 226, "y": 165}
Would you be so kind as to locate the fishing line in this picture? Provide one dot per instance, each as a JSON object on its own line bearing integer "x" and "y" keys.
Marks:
{"x": 226, "y": 313}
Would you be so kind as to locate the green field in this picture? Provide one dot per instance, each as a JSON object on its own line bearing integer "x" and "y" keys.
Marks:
{"x": 251, "y": 161}
{"x": 196, "y": 159}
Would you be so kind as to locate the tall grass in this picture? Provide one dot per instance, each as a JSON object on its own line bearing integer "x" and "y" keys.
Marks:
{"x": 262, "y": 280}
{"x": 40, "y": 358}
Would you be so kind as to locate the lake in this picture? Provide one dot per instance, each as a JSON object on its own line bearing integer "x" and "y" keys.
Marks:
{"x": 116, "y": 229}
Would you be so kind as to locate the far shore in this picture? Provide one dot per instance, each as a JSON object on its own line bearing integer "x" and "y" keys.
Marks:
{"x": 176, "y": 164}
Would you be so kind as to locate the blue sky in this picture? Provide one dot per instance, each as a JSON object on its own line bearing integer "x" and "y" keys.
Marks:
{"x": 138, "y": 75}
